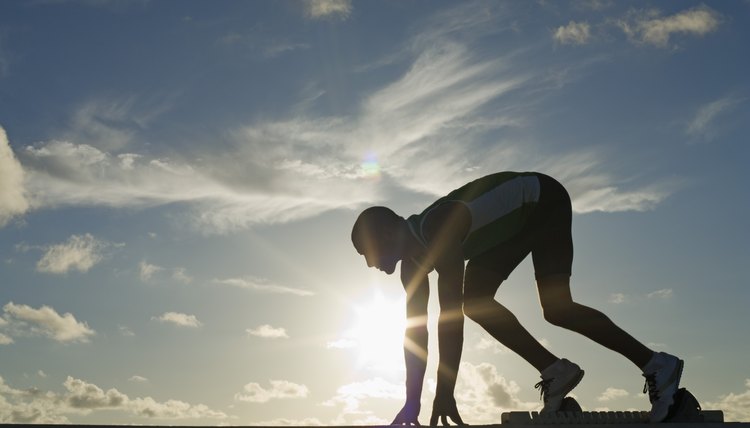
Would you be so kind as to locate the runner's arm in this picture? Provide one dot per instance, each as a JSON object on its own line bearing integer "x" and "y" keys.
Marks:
{"x": 417, "y": 289}
{"x": 446, "y": 227}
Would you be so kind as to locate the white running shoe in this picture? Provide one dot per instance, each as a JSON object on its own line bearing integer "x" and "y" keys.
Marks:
{"x": 662, "y": 375}
{"x": 557, "y": 381}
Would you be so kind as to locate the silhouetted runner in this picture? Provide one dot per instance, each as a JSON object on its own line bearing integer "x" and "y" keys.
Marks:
{"x": 494, "y": 223}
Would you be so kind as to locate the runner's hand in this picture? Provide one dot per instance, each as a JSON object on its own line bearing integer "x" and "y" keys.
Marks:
{"x": 408, "y": 415}
{"x": 444, "y": 407}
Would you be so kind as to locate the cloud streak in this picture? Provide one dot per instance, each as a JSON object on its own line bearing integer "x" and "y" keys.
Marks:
{"x": 703, "y": 123}
{"x": 268, "y": 332}
{"x": 179, "y": 319}
{"x": 403, "y": 135}
{"x": 577, "y": 33}
{"x": 648, "y": 27}
{"x": 262, "y": 285}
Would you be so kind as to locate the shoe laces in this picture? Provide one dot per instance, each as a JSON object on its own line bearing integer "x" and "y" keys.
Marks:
{"x": 543, "y": 387}
{"x": 650, "y": 387}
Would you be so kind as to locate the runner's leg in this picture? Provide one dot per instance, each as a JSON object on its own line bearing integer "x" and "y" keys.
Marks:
{"x": 480, "y": 305}
{"x": 560, "y": 309}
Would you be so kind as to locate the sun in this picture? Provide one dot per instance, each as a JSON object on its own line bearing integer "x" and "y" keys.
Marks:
{"x": 377, "y": 333}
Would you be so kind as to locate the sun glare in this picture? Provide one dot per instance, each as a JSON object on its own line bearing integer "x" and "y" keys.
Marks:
{"x": 377, "y": 333}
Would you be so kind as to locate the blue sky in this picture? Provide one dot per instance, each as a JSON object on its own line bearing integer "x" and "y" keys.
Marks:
{"x": 178, "y": 181}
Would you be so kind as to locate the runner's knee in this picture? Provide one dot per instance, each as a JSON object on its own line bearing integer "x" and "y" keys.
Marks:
{"x": 477, "y": 308}
{"x": 561, "y": 314}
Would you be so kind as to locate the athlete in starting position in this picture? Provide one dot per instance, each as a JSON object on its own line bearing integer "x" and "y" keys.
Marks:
{"x": 494, "y": 223}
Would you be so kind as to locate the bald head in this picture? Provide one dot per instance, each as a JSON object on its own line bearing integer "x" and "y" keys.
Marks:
{"x": 376, "y": 236}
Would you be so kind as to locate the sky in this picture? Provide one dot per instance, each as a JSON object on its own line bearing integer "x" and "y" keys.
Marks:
{"x": 178, "y": 182}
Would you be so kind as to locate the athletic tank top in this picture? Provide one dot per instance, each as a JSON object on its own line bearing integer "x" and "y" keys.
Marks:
{"x": 500, "y": 205}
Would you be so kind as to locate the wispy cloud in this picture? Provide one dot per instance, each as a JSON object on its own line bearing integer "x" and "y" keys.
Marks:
{"x": 12, "y": 194}
{"x": 113, "y": 124}
{"x": 81, "y": 397}
{"x": 23, "y": 320}
{"x": 269, "y": 332}
{"x": 611, "y": 393}
{"x": 179, "y": 319}
{"x": 262, "y": 285}
{"x": 577, "y": 33}
{"x": 79, "y": 252}
{"x": 125, "y": 331}
{"x": 138, "y": 379}
{"x": 736, "y": 406}
{"x": 280, "y": 389}
{"x": 649, "y": 27}
{"x": 147, "y": 270}
{"x": 402, "y": 135}
{"x": 318, "y": 9}
{"x": 180, "y": 275}
{"x": 267, "y": 47}
{"x": 618, "y": 298}
{"x": 664, "y": 293}
{"x": 702, "y": 124}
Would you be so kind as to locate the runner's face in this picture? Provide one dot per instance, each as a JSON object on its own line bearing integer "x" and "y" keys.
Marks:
{"x": 381, "y": 258}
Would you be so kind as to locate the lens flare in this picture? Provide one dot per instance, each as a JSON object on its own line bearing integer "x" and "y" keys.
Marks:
{"x": 370, "y": 166}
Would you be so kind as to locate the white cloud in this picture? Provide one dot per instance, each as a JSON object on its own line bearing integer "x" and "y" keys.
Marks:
{"x": 482, "y": 394}
{"x": 618, "y": 298}
{"x": 574, "y": 33}
{"x": 5, "y": 340}
{"x": 268, "y": 332}
{"x": 317, "y": 9}
{"x": 12, "y": 193}
{"x": 180, "y": 275}
{"x": 83, "y": 395}
{"x": 280, "y": 389}
{"x": 41, "y": 373}
{"x": 172, "y": 409}
{"x": 79, "y": 252}
{"x": 649, "y": 27}
{"x": 178, "y": 318}
{"x": 147, "y": 270}
{"x": 262, "y": 285}
{"x": 736, "y": 407}
{"x": 80, "y": 397}
{"x": 611, "y": 393}
{"x": 138, "y": 379}
{"x": 664, "y": 293}
{"x": 702, "y": 125}
{"x": 125, "y": 331}
{"x": 24, "y": 320}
